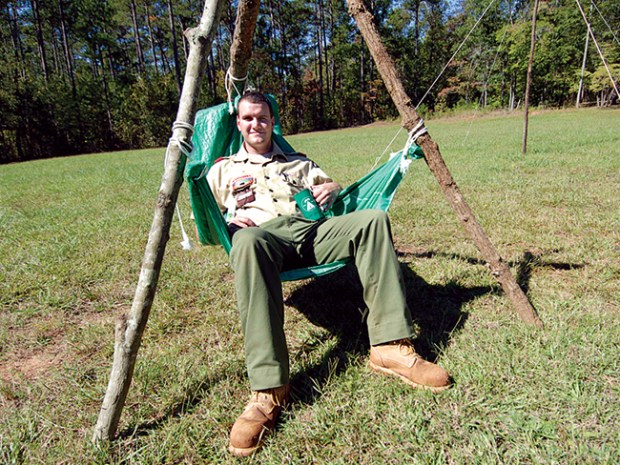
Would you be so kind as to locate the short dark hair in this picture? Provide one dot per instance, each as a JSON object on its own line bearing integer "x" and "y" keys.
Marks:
{"x": 253, "y": 96}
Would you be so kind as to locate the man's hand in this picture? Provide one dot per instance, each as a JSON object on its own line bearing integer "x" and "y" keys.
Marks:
{"x": 243, "y": 222}
{"x": 325, "y": 193}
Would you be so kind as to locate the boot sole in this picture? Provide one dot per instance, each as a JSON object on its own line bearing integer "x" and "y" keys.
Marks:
{"x": 237, "y": 452}
{"x": 388, "y": 372}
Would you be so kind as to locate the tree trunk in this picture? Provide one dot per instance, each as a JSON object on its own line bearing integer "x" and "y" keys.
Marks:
{"x": 319, "y": 56}
{"x": 66, "y": 48}
{"x": 183, "y": 39}
{"x": 175, "y": 47}
{"x": 512, "y": 91}
{"x": 165, "y": 66}
{"x": 529, "y": 79}
{"x": 106, "y": 93}
{"x": 136, "y": 36}
{"x": 129, "y": 329}
{"x": 283, "y": 60}
{"x": 39, "y": 34}
{"x": 17, "y": 41}
{"x": 435, "y": 162}
{"x": 151, "y": 39}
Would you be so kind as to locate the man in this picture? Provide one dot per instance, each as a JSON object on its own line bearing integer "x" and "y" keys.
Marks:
{"x": 255, "y": 190}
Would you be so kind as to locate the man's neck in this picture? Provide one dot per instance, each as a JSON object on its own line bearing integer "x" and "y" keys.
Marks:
{"x": 257, "y": 151}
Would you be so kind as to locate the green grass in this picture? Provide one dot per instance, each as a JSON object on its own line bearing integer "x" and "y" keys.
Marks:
{"x": 72, "y": 236}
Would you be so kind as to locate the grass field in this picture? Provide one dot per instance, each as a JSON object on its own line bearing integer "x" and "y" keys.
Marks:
{"x": 72, "y": 235}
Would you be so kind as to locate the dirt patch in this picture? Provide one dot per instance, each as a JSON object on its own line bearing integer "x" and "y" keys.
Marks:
{"x": 32, "y": 365}
{"x": 40, "y": 345}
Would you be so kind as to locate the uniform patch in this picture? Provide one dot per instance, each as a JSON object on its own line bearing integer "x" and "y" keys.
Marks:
{"x": 242, "y": 183}
{"x": 244, "y": 197}
{"x": 292, "y": 180}
{"x": 241, "y": 190}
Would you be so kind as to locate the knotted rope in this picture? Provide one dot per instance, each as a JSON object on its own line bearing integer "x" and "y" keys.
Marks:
{"x": 186, "y": 149}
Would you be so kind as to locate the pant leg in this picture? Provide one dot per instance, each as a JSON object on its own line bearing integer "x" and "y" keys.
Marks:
{"x": 257, "y": 257}
{"x": 365, "y": 235}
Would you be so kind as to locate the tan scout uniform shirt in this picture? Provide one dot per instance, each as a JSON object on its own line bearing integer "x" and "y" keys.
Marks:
{"x": 261, "y": 187}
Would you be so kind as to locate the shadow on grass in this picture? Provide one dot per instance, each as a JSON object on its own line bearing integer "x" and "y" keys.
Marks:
{"x": 524, "y": 267}
{"x": 192, "y": 396}
{"x": 335, "y": 303}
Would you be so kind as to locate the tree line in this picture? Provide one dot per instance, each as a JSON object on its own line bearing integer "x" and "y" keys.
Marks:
{"x": 79, "y": 76}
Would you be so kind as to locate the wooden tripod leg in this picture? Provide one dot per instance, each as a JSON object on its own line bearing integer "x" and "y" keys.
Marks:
{"x": 435, "y": 162}
{"x": 129, "y": 329}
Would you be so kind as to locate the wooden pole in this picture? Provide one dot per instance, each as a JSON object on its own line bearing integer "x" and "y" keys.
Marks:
{"x": 583, "y": 70}
{"x": 129, "y": 329}
{"x": 598, "y": 49}
{"x": 435, "y": 162}
{"x": 528, "y": 81}
{"x": 241, "y": 47}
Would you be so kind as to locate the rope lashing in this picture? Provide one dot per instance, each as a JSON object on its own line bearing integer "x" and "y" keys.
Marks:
{"x": 185, "y": 146}
{"x": 407, "y": 152}
{"x": 186, "y": 149}
{"x": 229, "y": 84}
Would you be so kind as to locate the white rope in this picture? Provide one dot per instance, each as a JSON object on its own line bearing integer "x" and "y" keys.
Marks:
{"x": 229, "y": 83}
{"x": 454, "y": 54}
{"x": 414, "y": 134}
{"x": 186, "y": 149}
{"x": 386, "y": 149}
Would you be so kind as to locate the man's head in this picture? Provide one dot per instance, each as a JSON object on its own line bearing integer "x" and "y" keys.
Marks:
{"x": 255, "y": 122}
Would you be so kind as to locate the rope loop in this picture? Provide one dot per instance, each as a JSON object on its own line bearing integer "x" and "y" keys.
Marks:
{"x": 229, "y": 84}
{"x": 186, "y": 149}
{"x": 185, "y": 146}
{"x": 418, "y": 130}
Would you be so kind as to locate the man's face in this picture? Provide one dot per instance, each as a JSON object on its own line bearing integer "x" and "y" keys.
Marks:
{"x": 255, "y": 124}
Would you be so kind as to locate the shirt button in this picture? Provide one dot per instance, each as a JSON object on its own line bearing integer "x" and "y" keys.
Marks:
{"x": 275, "y": 200}
{"x": 270, "y": 190}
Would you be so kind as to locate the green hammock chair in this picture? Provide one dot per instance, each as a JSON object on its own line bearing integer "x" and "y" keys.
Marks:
{"x": 216, "y": 135}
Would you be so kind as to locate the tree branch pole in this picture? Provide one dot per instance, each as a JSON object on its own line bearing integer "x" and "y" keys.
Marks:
{"x": 241, "y": 47}
{"x": 528, "y": 81}
{"x": 435, "y": 162}
{"x": 583, "y": 70}
{"x": 129, "y": 329}
{"x": 598, "y": 49}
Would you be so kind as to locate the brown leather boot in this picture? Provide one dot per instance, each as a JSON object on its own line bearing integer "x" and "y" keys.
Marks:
{"x": 398, "y": 358}
{"x": 257, "y": 420}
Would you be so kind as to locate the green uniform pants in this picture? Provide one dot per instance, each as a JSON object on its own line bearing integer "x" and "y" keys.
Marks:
{"x": 258, "y": 255}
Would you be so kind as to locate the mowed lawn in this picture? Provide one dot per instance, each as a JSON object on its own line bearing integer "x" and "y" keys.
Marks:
{"x": 72, "y": 236}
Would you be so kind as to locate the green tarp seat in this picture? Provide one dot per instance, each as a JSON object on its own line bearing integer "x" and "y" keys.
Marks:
{"x": 216, "y": 135}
